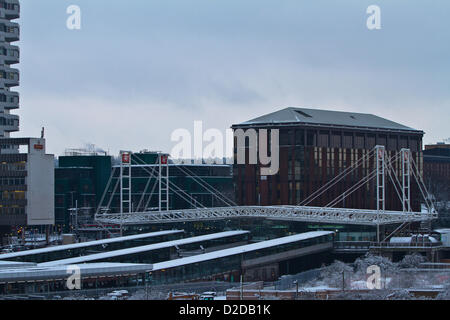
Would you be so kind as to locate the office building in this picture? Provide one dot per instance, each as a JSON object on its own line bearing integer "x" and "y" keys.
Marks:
{"x": 26, "y": 186}
{"x": 315, "y": 146}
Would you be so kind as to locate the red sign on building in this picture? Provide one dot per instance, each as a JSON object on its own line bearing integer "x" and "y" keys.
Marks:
{"x": 125, "y": 158}
{"x": 163, "y": 159}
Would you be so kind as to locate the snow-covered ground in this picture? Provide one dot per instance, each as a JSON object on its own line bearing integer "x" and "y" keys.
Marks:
{"x": 396, "y": 280}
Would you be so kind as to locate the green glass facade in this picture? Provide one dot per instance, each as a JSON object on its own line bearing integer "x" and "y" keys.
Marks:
{"x": 79, "y": 180}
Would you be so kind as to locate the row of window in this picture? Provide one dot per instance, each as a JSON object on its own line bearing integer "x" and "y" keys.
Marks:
{"x": 19, "y": 166}
{"x": 5, "y": 98}
{"x": 9, "y": 52}
{"x": 12, "y": 210}
{"x": 12, "y": 181}
{"x": 9, "y": 29}
{"x": 348, "y": 140}
{"x": 9, "y": 122}
{"x": 9, "y": 6}
{"x": 12, "y": 195}
{"x": 9, "y": 75}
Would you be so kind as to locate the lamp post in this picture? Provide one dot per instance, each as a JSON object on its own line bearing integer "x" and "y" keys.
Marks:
{"x": 296, "y": 289}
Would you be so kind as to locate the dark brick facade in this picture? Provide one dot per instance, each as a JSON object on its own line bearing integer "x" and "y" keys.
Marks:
{"x": 310, "y": 156}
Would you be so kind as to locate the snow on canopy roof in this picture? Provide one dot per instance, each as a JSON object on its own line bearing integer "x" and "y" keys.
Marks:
{"x": 238, "y": 250}
{"x": 150, "y": 247}
{"x": 61, "y": 272}
{"x": 88, "y": 244}
{"x": 413, "y": 238}
{"x": 400, "y": 240}
{"x": 15, "y": 264}
{"x": 442, "y": 231}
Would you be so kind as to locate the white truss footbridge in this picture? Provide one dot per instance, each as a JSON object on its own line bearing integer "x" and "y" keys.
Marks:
{"x": 301, "y": 212}
{"x": 285, "y": 213}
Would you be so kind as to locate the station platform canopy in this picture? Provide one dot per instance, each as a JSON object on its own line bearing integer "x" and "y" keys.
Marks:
{"x": 53, "y": 249}
{"x": 14, "y": 264}
{"x": 143, "y": 249}
{"x": 61, "y": 272}
{"x": 239, "y": 250}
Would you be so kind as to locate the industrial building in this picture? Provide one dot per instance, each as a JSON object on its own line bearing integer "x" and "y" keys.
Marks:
{"x": 317, "y": 145}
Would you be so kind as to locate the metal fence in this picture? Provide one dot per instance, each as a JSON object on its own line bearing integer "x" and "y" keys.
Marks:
{"x": 288, "y": 281}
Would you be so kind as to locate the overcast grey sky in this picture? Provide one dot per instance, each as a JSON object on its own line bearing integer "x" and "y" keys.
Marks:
{"x": 139, "y": 69}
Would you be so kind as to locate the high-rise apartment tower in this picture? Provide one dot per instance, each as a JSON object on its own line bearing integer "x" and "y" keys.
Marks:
{"x": 9, "y": 76}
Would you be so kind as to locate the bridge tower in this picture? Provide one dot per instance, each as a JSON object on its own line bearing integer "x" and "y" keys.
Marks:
{"x": 163, "y": 181}
{"x": 125, "y": 184}
{"x": 406, "y": 179}
{"x": 380, "y": 167}
{"x": 380, "y": 157}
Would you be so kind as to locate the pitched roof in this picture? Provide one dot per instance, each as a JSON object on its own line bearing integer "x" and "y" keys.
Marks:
{"x": 325, "y": 117}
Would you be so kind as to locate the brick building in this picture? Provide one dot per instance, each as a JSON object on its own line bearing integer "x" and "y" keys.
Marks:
{"x": 315, "y": 146}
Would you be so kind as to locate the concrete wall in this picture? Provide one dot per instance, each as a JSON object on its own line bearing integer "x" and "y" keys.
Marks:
{"x": 41, "y": 186}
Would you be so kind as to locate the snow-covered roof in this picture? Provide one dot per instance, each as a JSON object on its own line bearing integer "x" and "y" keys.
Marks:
{"x": 62, "y": 272}
{"x": 400, "y": 240}
{"x": 238, "y": 250}
{"x": 87, "y": 244}
{"x": 413, "y": 238}
{"x": 150, "y": 247}
{"x": 442, "y": 231}
{"x": 14, "y": 264}
{"x": 320, "y": 288}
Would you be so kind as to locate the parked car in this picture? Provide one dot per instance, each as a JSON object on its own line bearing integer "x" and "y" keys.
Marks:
{"x": 118, "y": 294}
{"x": 208, "y": 295}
